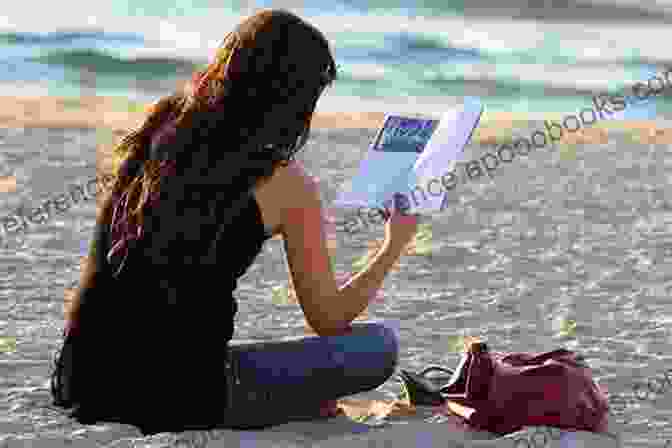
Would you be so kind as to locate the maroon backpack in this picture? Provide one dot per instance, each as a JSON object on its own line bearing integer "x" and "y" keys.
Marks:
{"x": 502, "y": 392}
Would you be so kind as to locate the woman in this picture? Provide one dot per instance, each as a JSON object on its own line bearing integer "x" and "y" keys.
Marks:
{"x": 200, "y": 186}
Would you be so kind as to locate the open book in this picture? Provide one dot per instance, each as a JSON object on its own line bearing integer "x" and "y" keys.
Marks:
{"x": 407, "y": 156}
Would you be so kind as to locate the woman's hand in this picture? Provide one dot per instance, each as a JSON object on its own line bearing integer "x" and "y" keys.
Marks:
{"x": 400, "y": 228}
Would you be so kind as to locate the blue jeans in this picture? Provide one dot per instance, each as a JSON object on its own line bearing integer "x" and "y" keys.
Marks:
{"x": 280, "y": 381}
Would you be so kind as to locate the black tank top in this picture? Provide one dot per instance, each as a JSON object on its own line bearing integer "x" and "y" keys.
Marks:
{"x": 157, "y": 335}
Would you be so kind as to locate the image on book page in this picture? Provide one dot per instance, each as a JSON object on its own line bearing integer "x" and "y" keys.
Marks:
{"x": 386, "y": 165}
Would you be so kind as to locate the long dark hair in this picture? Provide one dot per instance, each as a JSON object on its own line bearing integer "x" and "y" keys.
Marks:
{"x": 249, "y": 111}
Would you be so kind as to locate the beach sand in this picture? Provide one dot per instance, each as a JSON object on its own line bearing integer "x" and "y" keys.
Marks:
{"x": 339, "y": 142}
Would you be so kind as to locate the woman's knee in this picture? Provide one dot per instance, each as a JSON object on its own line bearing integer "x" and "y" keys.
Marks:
{"x": 385, "y": 343}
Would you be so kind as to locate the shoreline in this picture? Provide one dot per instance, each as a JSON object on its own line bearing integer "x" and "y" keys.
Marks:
{"x": 119, "y": 115}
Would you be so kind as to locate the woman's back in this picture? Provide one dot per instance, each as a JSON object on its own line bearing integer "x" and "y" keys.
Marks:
{"x": 159, "y": 323}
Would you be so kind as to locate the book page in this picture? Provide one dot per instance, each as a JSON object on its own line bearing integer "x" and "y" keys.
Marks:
{"x": 378, "y": 176}
{"x": 441, "y": 153}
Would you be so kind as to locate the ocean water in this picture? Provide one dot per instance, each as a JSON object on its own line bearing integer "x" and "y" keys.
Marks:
{"x": 520, "y": 56}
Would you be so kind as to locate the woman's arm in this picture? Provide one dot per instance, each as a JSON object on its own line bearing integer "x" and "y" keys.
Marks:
{"x": 93, "y": 268}
{"x": 328, "y": 309}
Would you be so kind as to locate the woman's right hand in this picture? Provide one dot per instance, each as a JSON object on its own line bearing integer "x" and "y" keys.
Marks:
{"x": 401, "y": 227}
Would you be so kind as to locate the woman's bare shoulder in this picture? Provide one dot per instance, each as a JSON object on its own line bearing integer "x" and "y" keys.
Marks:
{"x": 290, "y": 188}
{"x": 293, "y": 179}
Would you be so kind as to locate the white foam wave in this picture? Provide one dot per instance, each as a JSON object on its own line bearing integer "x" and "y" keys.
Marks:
{"x": 196, "y": 37}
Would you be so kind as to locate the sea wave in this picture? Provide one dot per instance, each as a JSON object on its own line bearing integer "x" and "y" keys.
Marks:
{"x": 440, "y": 49}
{"x": 106, "y": 63}
{"x": 66, "y": 37}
